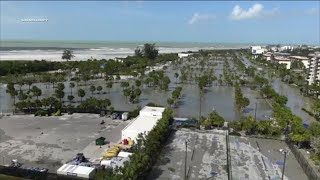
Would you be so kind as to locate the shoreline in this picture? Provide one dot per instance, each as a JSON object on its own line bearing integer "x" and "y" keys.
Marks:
{"x": 54, "y": 54}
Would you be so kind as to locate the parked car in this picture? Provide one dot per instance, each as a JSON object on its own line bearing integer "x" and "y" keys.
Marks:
{"x": 114, "y": 115}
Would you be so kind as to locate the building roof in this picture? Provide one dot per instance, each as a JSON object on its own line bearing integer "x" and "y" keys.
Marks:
{"x": 147, "y": 119}
{"x": 281, "y": 54}
{"x": 255, "y": 47}
{"x": 299, "y": 57}
{"x": 152, "y": 111}
{"x": 67, "y": 168}
{"x": 280, "y": 59}
{"x": 268, "y": 54}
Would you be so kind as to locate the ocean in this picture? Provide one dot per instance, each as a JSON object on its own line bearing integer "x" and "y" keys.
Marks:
{"x": 83, "y": 50}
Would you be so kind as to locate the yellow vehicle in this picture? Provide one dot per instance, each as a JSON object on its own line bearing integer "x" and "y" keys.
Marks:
{"x": 109, "y": 155}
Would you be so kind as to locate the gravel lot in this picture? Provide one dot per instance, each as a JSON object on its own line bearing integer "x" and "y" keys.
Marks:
{"x": 51, "y": 141}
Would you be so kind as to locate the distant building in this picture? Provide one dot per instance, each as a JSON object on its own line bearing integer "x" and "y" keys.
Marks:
{"x": 285, "y": 48}
{"x": 256, "y": 51}
{"x": 304, "y": 60}
{"x": 314, "y": 68}
{"x": 282, "y": 60}
{"x": 267, "y": 56}
{"x": 181, "y": 55}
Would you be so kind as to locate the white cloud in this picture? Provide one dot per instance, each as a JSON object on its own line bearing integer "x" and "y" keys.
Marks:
{"x": 239, "y": 14}
{"x": 197, "y": 17}
{"x": 312, "y": 11}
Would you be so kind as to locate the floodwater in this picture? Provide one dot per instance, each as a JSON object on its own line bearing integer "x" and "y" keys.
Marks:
{"x": 219, "y": 98}
{"x": 296, "y": 101}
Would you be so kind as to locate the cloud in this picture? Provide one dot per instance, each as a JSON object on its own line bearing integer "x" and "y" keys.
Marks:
{"x": 312, "y": 11}
{"x": 239, "y": 14}
{"x": 197, "y": 17}
{"x": 272, "y": 12}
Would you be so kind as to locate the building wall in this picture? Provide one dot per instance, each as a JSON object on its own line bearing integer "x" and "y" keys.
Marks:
{"x": 288, "y": 63}
{"x": 313, "y": 70}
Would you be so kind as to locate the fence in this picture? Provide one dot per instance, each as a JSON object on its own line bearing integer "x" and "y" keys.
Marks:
{"x": 307, "y": 168}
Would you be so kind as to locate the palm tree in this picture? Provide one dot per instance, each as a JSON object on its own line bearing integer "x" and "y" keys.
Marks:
{"x": 109, "y": 85}
{"x": 170, "y": 101}
{"x": 70, "y": 98}
{"x": 67, "y": 54}
{"x": 138, "y": 83}
{"x": 36, "y": 91}
{"x": 59, "y": 94}
{"x": 99, "y": 88}
{"x": 176, "y": 75}
{"x": 71, "y": 85}
{"x": 124, "y": 84}
{"x": 137, "y": 93}
{"x": 126, "y": 93}
{"x": 202, "y": 82}
{"x": 60, "y": 86}
{"x": 92, "y": 89}
{"x": 81, "y": 94}
{"x": 12, "y": 91}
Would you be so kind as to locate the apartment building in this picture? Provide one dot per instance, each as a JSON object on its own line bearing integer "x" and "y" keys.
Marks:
{"x": 314, "y": 68}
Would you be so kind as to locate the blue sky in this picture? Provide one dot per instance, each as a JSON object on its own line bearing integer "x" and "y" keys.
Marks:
{"x": 206, "y": 21}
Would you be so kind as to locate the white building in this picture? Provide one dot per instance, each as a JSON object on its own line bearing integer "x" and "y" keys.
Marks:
{"x": 147, "y": 119}
{"x": 256, "y": 51}
{"x": 284, "y": 48}
{"x": 267, "y": 56}
{"x": 181, "y": 55}
{"x": 282, "y": 60}
{"x": 314, "y": 68}
{"x": 77, "y": 171}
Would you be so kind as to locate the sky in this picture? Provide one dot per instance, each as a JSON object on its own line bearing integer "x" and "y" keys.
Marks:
{"x": 282, "y": 22}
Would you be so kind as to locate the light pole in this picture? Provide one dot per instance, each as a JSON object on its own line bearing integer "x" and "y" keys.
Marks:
{"x": 284, "y": 163}
{"x": 185, "y": 161}
{"x": 255, "y": 112}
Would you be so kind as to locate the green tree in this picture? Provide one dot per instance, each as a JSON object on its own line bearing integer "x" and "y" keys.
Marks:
{"x": 316, "y": 107}
{"x": 92, "y": 89}
{"x": 22, "y": 96}
{"x": 109, "y": 85}
{"x": 81, "y": 94}
{"x": 70, "y": 98}
{"x": 67, "y": 54}
{"x": 124, "y": 84}
{"x": 150, "y": 51}
{"x": 176, "y": 75}
{"x": 60, "y": 86}
{"x": 170, "y": 101}
{"x": 99, "y": 89}
{"x": 126, "y": 93}
{"x": 138, "y": 52}
{"x": 36, "y": 91}
{"x": 59, "y": 94}
{"x": 137, "y": 93}
{"x": 12, "y": 91}
{"x": 138, "y": 83}
{"x": 71, "y": 85}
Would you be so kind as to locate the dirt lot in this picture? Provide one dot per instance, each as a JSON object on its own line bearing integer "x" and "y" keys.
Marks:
{"x": 50, "y": 141}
